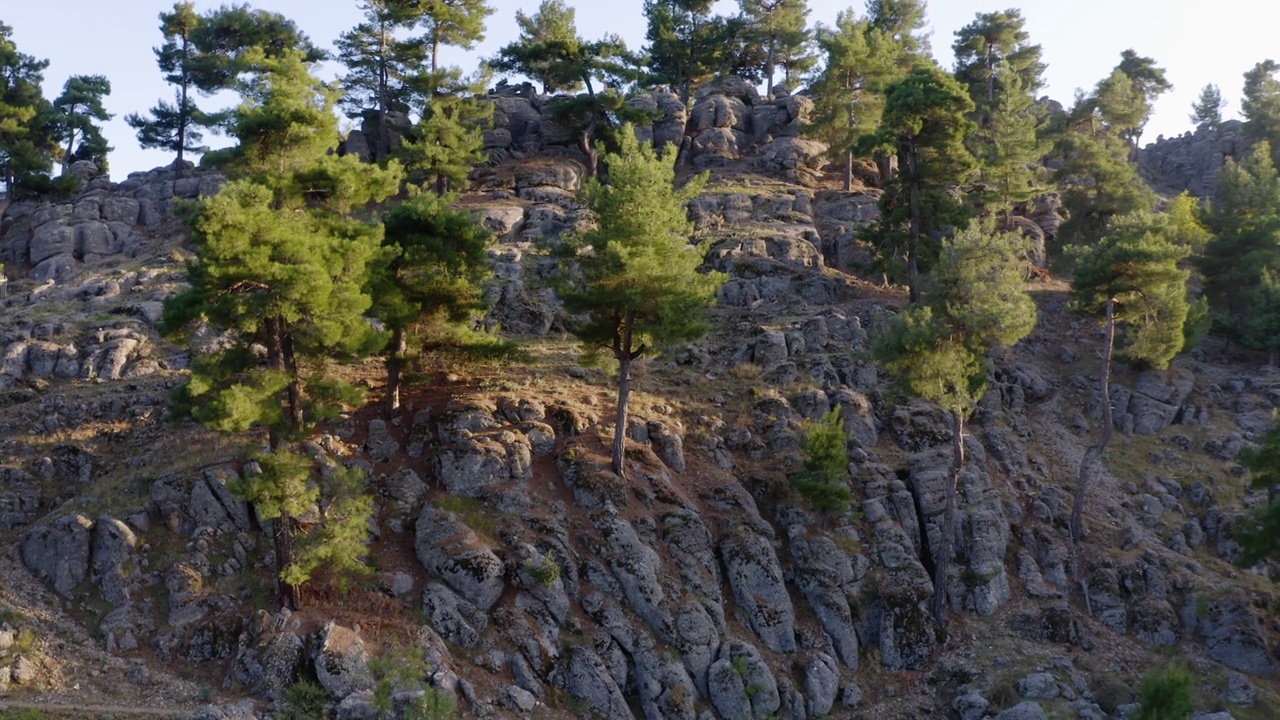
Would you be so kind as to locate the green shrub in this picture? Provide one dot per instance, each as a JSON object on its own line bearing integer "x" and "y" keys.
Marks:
{"x": 1166, "y": 695}
{"x": 304, "y": 700}
{"x": 823, "y": 479}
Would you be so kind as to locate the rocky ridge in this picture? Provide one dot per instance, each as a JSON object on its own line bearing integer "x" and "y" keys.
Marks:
{"x": 535, "y": 581}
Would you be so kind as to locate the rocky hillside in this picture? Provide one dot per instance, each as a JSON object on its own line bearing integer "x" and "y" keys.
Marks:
{"x": 529, "y": 581}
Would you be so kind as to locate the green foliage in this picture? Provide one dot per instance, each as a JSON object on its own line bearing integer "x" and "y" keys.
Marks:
{"x": 1241, "y": 259}
{"x": 638, "y": 285}
{"x": 1261, "y": 105}
{"x": 924, "y": 123}
{"x": 339, "y": 542}
{"x": 231, "y": 40}
{"x": 1145, "y": 82}
{"x": 174, "y": 127}
{"x": 459, "y": 23}
{"x": 545, "y": 39}
{"x": 1166, "y": 695}
{"x": 79, "y": 105}
{"x": 977, "y": 302}
{"x": 779, "y": 29}
{"x": 432, "y": 705}
{"x": 1259, "y": 535}
{"x": 449, "y": 138}
{"x": 687, "y": 45}
{"x": 383, "y": 66}
{"x": 824, "y": 475}
{"x": 904, "y": 23}
{"x": 304, "y": 700}
{"x": 398, "y": 668}
{"x": 1002, "y": 72}
{"x": 1135, "y": 269}
{"x": 27, "y": 120}
{"x": 1207, "y": 109}
{"x": 848, "y": 93}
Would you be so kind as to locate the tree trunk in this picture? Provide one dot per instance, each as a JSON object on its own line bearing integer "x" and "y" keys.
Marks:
{"x": 623, "y": 352}
{"x": 290, "y": 596}
{"x": 946, "y": 543}
{"x": 294, "y": 391}
{"x": 913, "y": 242}
{"x": 848, "y": 170}
{"x": 1094, "y": 453}
{"x": 277, "y": 359}
{"x": 768, "y": 88}
{"x": 394, "y": 362}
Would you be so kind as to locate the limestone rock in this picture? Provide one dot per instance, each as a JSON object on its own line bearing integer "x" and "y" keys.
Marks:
{"x": 451, "y": 551}
{"x": 58, "y": 552}
{"x": 752, "y": 569}
{"x": 341, "y": 661}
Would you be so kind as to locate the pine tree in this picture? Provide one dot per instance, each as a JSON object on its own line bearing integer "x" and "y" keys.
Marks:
{"x": 824, "y": 474}
{"x": 1003, "y": 72}
{"x": 600, "y": 67}
{"x": 459, "y": 23}
{"x": 27, "y": 142}
{"x": 925, "y": 123}
{"x": 848, "y": 92}
{"x": 1259, "y": 536}
{"x": 174, "y": 127}
{"x": 687, "y": 45}
{"x": 937, "y": 349}
{"x": 283, "y": 266}
{"x": 903, "y": 22}
{"x": 545, "y": 40}
{"x": 1131, "y": 281}
{"x": 1261, "y": 106}
{"x": 227, "y": 40}
{"x": 780, "y": 29}
{"x": 1207, "y": 109}
{"x": 79, "y": 105}
{"x": 1244, "y": 222}
{"x": 433, "y": 269}
{"x": 382, "y": 66}
{"x": 448, "y": 140}
{"x": 1148, "y": 83}
{"x": 639, "y": 283}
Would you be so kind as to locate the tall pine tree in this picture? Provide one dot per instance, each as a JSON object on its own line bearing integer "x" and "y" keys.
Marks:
{"x": 639, "y": 284}
{"x": 780, "y": 29}
{"x": 174, "y": 127}
{"x": 937, "y": 349}
{"x": 79, "y": 105}
{"x": 283, "y": 266}
{"x": 27, "y": 129}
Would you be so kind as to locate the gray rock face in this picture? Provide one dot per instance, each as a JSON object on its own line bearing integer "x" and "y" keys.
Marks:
{"x": 827, "y": 579}
{"x": 272, "y": 660}
{"x": 1023, "y": 711}
{"x": 58, "y": 553}
{"x": 635, "y": 566}
{"x": 752, "y": 569}
{"x": 821, "y": 684}
{"x": 585, "y": 677}
{"x": 379, "y": 444}
{"x": 1038, "y": 686}
{"x": 740, "y": 685}
{"x": 1154, "y": 402}
{"x": 473, "y": 466}
{"x": 341, "y": 662}
{"x": 1233, "y": 635}
{"x": 1192, "y": 160}
{"x": 451, "y": 551}
{"x": 111, "y": 548}
{"x": 454, "y": 618}
{"x": 970, "y": 706}
{"x": 19, "y": 500}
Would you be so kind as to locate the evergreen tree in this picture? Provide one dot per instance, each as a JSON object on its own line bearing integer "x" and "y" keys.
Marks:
{"x": 433, "y": 269}
{"x": 1244, "y": 222}
{"x": 459, "y": 23}
{"x": 824, "y": 475}
{"x": 79, "y": 105}
{"x": 448, "y": 140}
{"x": 1261, "y": 105}
{"x": 174, "y": 127}
{"x": 780, "y": 29}
{"x": 1259, "y": 535}
{"x": 688, "y": 45}
{"x": 382, "y": 66}
{"x": 639, "y": 283}
{"x": 925, "y": 123}
{"x": 848, "y": 92}
{"x": 283, "y": 267}
{"x": 228, "y": 40}
{"x": 903, "y": 22}
{"x": 539, "y": 52}
{"x": 27, "y": 142}
{"x": 1148, "y": 83}
{"x": 937, "y": 349}
{"x": 1003, "y": 72}
{"x": 1207, "y": 109}
{"x": 600, "y": 67}
{"x": 1131, "y": 281}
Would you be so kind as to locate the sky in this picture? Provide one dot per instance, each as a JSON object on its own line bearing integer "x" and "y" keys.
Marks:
{"x": 1195, "y": 42}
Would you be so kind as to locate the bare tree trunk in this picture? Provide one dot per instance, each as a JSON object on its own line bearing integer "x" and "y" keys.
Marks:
{"x": 1094, "y": 453}
{"x": 913, "y": 247}
{"x": 395, "y": 361}
{"x": 848, "y": 170}
{"x": 946, "y": 544}
{"x": 623, "y": 352}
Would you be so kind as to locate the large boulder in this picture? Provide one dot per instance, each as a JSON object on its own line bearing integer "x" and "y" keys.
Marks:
{"x": 341, "y": 661}
{"x": 755, "y": 576}
{"x": 451, "y": 551}
{"x": 58, "y": 552}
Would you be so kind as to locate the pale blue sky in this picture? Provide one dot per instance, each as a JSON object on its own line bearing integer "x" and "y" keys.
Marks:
{"x": 1196, "y": 43}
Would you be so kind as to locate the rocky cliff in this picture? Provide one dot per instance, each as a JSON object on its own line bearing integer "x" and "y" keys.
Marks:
{"x": 530, "y": 581}
{"x": 1192, "y": 160}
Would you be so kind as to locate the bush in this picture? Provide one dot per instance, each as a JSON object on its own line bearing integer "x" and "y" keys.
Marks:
{"x": 823, "y": 478}
{"x": 1166, "y": 695}
{"x": 304, "y": 700}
